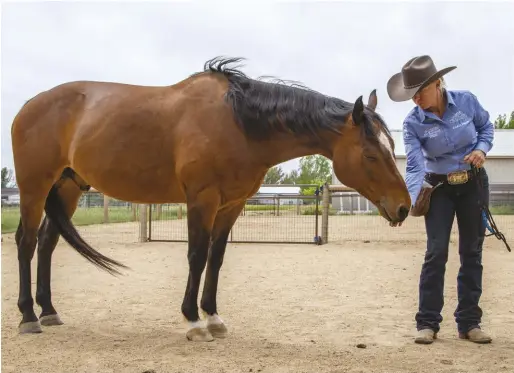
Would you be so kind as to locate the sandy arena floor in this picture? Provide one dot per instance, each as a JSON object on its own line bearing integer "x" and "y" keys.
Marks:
{"x": 289, "y": 308}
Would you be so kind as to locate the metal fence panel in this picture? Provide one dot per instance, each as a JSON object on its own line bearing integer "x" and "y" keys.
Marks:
{"x": 278, "y": 218}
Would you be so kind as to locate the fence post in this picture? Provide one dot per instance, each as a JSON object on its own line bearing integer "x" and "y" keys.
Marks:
{"x": 106, "y": 209}
{"x": 143, "y": 223}
{"x": 134, "y": 211}
{"x": 325, "y": 204}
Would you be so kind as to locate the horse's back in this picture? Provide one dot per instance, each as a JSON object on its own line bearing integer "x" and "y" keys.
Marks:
{"x": 69, "y": 105}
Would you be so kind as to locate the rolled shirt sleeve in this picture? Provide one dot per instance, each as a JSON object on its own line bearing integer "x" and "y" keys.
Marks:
{"x": 484, "y": 127}
{"x": 415, "y": 168}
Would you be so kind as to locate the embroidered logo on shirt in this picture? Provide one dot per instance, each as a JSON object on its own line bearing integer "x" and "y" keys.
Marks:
{"x": 432, "y": 132}
{"x": 459, "y": 120}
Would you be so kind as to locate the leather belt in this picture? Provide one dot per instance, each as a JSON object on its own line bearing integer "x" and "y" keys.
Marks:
{"x": 453, "y": 178}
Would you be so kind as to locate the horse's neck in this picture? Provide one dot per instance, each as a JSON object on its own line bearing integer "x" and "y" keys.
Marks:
{"x": 284, "y": 147}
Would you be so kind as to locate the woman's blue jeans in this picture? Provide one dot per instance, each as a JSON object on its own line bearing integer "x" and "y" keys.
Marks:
{"x": 448, "y": 201}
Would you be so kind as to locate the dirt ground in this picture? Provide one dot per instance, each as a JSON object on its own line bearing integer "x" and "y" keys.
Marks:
{"x": 288, "y": 307}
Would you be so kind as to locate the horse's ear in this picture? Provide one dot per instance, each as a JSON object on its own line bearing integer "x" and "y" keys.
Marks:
{"x": 358, "y": 111}
{"x": 372, "y": 100}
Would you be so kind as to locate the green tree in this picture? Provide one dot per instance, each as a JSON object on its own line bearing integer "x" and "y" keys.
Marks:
{"x": 314, "y": 169}
{"x": 291, "y": 177}
{"x": 502, "y": 123}
{"x": 7, "y": 177}
{"x": 274, "y": 175}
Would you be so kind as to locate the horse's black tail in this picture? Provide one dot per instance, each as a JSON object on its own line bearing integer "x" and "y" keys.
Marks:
{"x": 56, "y": 212}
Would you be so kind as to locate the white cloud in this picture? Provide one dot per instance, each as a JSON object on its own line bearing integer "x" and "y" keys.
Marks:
{"x": 344, "y": 49}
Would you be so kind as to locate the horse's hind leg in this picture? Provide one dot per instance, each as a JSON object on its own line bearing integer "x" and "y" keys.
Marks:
{"x": 225, "y": 219}
{"x": 48, "y": 238}
{"x": 32, "y": 202}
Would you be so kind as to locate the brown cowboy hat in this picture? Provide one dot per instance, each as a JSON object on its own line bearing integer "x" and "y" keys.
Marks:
{"x": 417, "y": 73}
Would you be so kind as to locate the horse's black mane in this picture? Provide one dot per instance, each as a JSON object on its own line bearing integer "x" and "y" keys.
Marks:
{"x": 262, "y": 108}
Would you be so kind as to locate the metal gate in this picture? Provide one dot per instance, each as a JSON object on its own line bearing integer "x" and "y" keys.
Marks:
{"x": 266, "y": 218}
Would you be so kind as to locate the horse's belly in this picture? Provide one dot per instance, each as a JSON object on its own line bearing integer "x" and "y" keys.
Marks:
{"x": 148, "y": 188}
{"x": 139, "y": 186}
{"x": 126, "y": 175}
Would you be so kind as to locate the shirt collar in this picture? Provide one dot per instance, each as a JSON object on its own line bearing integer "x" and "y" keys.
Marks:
{"x": 449, "y": 102}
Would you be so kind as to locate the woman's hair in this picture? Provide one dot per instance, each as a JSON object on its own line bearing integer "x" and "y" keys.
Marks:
{"x": 443, "y": 82}
{"x": 442, "y": 87}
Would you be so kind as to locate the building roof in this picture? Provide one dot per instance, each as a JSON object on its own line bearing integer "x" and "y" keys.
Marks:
{"x": 9, "y": 191}
{"x": 279, "y": 190}
{"x": 503, "y": 144}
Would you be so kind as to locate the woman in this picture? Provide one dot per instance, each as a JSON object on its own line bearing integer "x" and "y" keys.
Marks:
{"x": 446, "y": 133}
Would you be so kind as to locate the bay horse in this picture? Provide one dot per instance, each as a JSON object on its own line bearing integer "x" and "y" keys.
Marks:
{"x": 206, "y": 141}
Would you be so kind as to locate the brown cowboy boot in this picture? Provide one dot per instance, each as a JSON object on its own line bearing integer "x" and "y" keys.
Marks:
{"x": 476, "y": 335}
{"x": 425, "y": 336}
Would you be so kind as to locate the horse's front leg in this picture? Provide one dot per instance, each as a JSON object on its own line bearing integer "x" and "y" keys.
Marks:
{"x": 221, "y": 230}
{"x": 201, "y": 211}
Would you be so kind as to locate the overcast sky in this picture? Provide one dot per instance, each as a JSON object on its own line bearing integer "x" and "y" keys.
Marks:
{"x": 343, "y": 49}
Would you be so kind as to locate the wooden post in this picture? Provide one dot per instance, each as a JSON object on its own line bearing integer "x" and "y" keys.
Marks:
{"x": 325, "y": 204}
{"x": 159, "y": 211}
{"x": 179, "y": 212}
{"x": 143, "y": 223}
{"x": 134, "y": 211}
{"x": 106, "y": 209}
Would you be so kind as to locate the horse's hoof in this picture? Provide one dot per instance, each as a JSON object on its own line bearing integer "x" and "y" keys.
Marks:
{"x": 50, "y": 320}
{"x": 30, "y": 327}
{"x": 216, "y": 326}
{"x": 218, "y": 330}
{"x": 199, "y": 334}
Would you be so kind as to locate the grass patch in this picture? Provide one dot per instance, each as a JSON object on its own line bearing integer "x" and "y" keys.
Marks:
{"x": 311, "y": 210}
{"x": 93, "y": 215}
{"x": 502, "y": 210}
{"x": 123, "y": 214}
{"x": 10, "y": 219}
{"x": 273, "y": 207}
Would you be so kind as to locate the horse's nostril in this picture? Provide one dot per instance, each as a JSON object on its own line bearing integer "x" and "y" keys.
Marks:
{"x": 403, "y": 212}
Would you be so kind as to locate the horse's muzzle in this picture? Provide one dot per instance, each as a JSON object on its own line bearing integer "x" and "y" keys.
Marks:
{"x": 402, "y": 213}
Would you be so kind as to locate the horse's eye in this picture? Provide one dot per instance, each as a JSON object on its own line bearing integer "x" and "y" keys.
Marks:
{"x": 370, "y": 157}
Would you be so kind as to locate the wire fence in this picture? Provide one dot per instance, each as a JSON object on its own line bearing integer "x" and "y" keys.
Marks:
{"x": 278, "y": 218}
{"x": 330, "y": 216}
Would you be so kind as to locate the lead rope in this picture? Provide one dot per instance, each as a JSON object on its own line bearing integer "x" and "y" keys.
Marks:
{"x": 486, "y": 214}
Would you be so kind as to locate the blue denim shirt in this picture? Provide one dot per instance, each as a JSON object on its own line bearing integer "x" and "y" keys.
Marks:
{"x": 439, "y": 145}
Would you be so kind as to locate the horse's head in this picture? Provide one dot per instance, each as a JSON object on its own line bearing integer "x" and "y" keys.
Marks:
{"x": 363, "y": 159}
